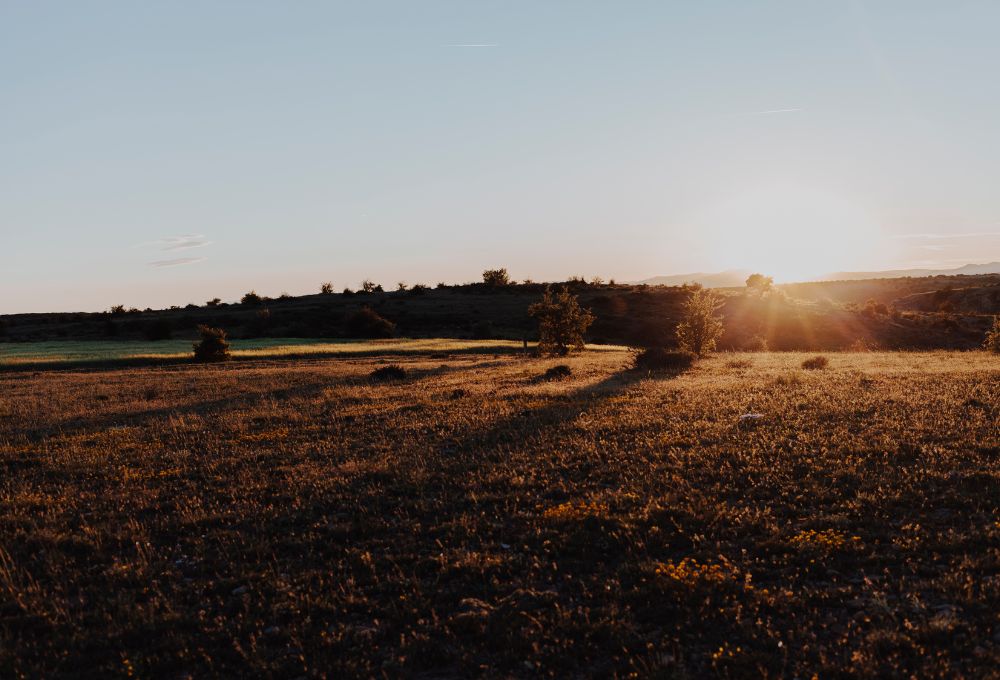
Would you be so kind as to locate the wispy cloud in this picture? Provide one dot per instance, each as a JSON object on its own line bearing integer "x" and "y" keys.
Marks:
{"x": 177, "y": 242}
{"x": 766, "y": 112}
{"x": 472, "y": 45}
{"x": 942, "y": 237}
{"x": 182, "y": 242}
{"x": 176, "y": 262}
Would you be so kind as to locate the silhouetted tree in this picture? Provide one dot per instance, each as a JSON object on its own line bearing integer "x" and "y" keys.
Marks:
{"x": 561, "y": 321}
{"x": 496, "y": 278}
{"x": 213, "y": 345}
{"x": 326, "y": 288}
{"x": 214, "y": 302}
{"x": 759, "y": 284}
{"x": 368, "y": 286}
{"x": 701, "y": 324}
{"x": 251, "y": 298}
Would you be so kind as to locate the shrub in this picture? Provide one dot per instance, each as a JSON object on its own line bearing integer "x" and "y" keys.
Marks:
{"x": 557, "y": 372}
{"x": 759, "y": 284}
{"x": 368, "y": 286}
{"x": 816, "y": 363}
{"x": 117, "y": 310}
{"x": 561, "y": 321}
{"x": 418, "y": 289}
{"x": 348, "y": 291}
{"x": 755, "y": 343}
{"x": 251, "y": 298}
{"x": 992, "y": 342}
{"x": 496, "y": 277}
{"x": 213, "y": 345}
{"x": 390, "y": 372}
{"x": 659, "y": 359}
{"x": 367, "y": 323}
{"x": 158, "y": 329}
{"x": 701, "y": 325}
{"x": 401, "y": 286}
{"x": 214, "y": 302}
{"x": 874, "y": 308}
{"x": 326, "y": 288}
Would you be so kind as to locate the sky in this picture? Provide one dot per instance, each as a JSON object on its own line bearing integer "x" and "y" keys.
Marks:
{"x": 159, "y": 153}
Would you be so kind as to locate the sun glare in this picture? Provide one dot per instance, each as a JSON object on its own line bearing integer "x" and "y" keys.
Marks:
{"x": 791, "y": 232}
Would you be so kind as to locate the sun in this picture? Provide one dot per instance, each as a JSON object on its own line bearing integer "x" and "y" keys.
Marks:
{"x": 791, "y": 231}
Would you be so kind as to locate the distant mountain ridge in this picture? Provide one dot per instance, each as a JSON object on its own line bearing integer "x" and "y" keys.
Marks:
{"x": 737, "y": 277}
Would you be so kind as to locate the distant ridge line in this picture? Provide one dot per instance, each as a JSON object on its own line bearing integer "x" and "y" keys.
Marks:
{"x": 737, "y": 277}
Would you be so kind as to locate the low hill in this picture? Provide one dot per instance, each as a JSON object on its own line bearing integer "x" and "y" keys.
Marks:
{"x": 933, "y": 312}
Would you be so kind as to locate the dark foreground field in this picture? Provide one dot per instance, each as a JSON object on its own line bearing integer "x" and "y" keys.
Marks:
{"x": 300, "y": 519}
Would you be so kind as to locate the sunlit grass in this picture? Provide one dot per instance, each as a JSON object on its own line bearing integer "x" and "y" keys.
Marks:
{"x": 69, "y": 351}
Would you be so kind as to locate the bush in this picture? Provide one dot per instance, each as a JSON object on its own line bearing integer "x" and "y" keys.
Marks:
{"x": 418, "y": 289}
{"x": 561, "y": 321}
{"x": 251, "y": 298}
{"x": 816, "y": 363}
{"x": 158, "y": 329}
{"x": 659, "y": 359}
{"x": 390, "y": 372}
{"x": 557, "y": 372}
{"x": 759, "y": 284}
{"x": 214, "y": 302}
{"x": 213, "y": 345}
{"x": 496, "y": 278}
{"x": 701, "y": 325}
{"x": 874, "y": 308}
{"x": 326, "y": 288}
{"x": 756, "y": 343}
{"x": 368, "y": 286}
{"x": 367, "y": 323}
{"x": 992, "y": 342}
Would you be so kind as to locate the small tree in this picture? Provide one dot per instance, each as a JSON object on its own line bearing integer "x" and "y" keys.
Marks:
{"x": 368, "y": 286}
{"x": 495, "y": 278}
{"x": 701, "y": 324}
{"x": 759, "y": 284}
{"x": 326, "y": 288}
{"x": 561, "y": 321}
{"x": 213, "y": 345}
{"x": 992, "y": 343}
{"x": 214, "y": 302}
{"x": 401, "y": 286}
{"x": 251, "y": 298}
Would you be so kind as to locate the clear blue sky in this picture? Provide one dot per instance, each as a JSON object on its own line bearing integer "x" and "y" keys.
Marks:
{"x": 156, "y": 153}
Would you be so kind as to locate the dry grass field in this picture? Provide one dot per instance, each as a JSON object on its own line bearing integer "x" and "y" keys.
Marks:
{"x": 298, "y": 518}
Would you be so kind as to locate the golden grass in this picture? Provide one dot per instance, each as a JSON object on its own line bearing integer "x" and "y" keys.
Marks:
{"x": 68, "y": 352}
{"x": 296, "y": 518}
